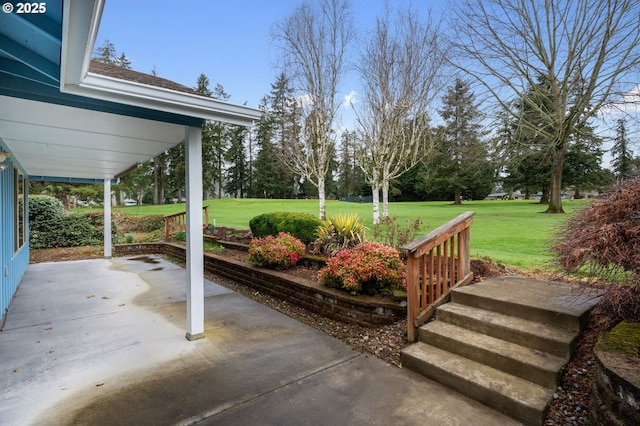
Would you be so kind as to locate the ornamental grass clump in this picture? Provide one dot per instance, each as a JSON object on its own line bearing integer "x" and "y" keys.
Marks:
{"x": 341, "y": 231}
{"x": 280, "y": 252}
{"x": 369, "y": 268}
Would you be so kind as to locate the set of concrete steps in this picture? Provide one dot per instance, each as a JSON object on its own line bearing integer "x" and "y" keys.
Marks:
{"x": 503, "y": 342}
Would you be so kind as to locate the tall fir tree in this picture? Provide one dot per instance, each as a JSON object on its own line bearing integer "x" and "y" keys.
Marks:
{"x": 123, "y": 62}
{"x": 461, "y": 165}
{"x": 279, "y": 124}
{"x": 350, "y": 176}
{"x": 215, "y": 140}
{"x": 582, "y": 166}
{"x": 210, "y": 133}
{"x": 106, "y": 53}
{"x": 528, "y": 159}
{"x": 622, "y": 156}
{"x": 236, "y": 175}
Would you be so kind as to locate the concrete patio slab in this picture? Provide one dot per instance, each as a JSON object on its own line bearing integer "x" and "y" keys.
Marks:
{"x": 102, "y": 342}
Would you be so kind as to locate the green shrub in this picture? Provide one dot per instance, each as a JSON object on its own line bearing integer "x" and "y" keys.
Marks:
{"x": 43, "y": 208}
{"x": 301, "y": 225}
{"x": 129, "y": 239}
{"x": 181, "y": 236}
{"x": 213, "y": 247}
{"x": 96, "y": 219}
{"x": 342, "y": 231}
{"x": 280, "y": 252}
{"x": 65, "y": 231}
{"x": 369, "y": 268}
{"x": 50, "y": 227}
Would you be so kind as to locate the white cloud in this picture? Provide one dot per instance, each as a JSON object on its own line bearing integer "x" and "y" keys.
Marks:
{"x": 305, "y": 101}
{"x": 629, "y": 103}
{"x": 349, "y": 99}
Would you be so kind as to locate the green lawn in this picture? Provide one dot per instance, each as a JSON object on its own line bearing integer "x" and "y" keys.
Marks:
{"x": 514, "y": 233}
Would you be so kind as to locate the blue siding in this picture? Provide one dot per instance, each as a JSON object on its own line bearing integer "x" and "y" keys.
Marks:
{"x": 12, "y": 264}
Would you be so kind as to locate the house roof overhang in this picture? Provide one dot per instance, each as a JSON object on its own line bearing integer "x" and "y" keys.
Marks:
{"x": 62, "y": 120}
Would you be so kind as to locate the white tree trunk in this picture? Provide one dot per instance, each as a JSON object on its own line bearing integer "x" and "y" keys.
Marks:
{"x": 375, "y": 190}
{"x": 385, "y": 199}
{"x": 321, "y": 200}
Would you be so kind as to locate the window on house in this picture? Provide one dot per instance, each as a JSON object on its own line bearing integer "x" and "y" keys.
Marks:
{"x": 19, "y": 206}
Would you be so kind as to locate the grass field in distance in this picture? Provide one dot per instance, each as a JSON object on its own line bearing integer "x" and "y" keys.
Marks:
{"x": 511, "y": 232}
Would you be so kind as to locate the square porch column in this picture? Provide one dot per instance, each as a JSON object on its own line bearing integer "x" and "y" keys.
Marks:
{"x": 107, "y": 219}
{"x": 195, "y": 249}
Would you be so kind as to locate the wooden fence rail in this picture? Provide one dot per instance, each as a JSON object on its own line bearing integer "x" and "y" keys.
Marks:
{"x": 436, "y": 263}
{"x": 178, "y": 222}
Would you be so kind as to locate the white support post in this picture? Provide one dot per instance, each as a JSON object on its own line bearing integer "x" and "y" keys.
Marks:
{"x": 195, "y": 249}
{"x": 107, "y": 219}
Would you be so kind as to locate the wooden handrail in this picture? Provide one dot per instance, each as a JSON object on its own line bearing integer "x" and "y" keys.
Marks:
{"x": 178, "y": 222}
{"x": 436, "y": 263}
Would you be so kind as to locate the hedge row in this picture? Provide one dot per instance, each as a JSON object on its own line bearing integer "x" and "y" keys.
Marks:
{"x": 303, "y": 226}
{"x": 50, "y": 227}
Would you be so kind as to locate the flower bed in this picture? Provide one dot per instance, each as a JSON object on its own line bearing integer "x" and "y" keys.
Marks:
{"x": 332, "y": 303}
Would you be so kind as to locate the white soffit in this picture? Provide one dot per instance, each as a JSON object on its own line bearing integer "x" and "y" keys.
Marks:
{"x": 56, "y": 140}
{"x": 78, "y": 40}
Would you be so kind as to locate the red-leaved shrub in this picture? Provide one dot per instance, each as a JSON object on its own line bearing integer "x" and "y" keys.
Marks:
{"x": 604, "y": 239}
{"x": 603, "y": 242}
{"x": 280, "y": 252}
{"x": 369, "y": 268}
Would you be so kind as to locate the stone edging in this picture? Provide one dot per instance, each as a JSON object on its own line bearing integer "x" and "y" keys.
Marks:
{"x": 616, "y": 390}
{"x": 362, "y": 310}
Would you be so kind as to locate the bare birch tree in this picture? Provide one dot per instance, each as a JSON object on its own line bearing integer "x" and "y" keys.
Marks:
{"x": 400, "y": 67}
{"x": 587, "y": 50}
{"x": 314, "y": 41}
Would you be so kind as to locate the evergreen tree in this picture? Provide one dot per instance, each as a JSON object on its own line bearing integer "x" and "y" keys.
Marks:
{"x": 123, "y": 62}
{"x": 460, "y": 165}
{"x": 350, "y": 176}
{"x": 210, "y": 134}
{"x": 202, "y": 85}
{"x": 217, "y": 146}
{"x": 528, "y": 159}
{"x": 279, "y": 124}
{"x": 622, "y": 161}
{"x": 266, "y": 164}
{"x": 106, "y": 53}
{"x": 582, "y": 162}
{"x": 159, "y": 168}
{"x": 286, "y": 114}
{"x": 237, "y": 173}
{"x": 176, "y": 172}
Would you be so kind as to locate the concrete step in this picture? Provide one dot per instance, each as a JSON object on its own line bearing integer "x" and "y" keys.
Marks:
{"x": 539, "y": 367}
{"x": 557, "y": 304}
{"x": 544, "y": 337}
{"x": 523, "y": 400}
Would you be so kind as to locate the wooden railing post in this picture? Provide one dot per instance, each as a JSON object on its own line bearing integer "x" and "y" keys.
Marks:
{"x": 436, "y": 263}
{"x": 413, "y": 301}
{"x": 173, "y": 222}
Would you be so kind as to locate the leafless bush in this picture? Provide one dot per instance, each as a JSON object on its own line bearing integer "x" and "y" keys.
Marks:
{"x": 604, "y": 239}
{"x": 620, "y": 302}
{"x": 603, "y": 242}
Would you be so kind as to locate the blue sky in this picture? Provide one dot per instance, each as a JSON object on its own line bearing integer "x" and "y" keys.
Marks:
{"x": 228, "y": 40}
